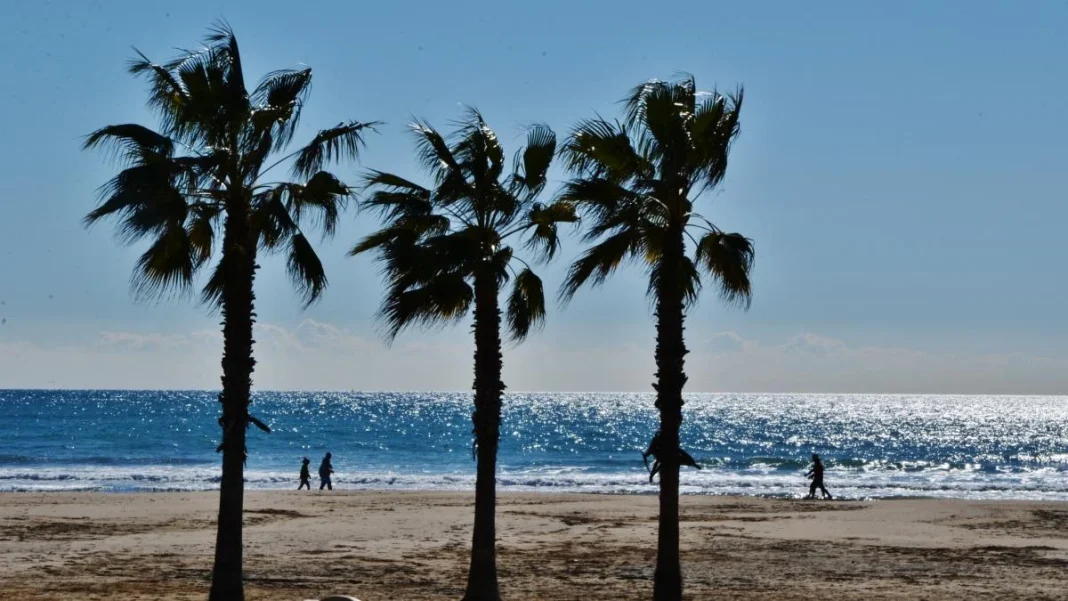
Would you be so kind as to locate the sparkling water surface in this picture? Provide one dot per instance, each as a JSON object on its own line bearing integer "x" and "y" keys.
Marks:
{"x": 992, "y": 447}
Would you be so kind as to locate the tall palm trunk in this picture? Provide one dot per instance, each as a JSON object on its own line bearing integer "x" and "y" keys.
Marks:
{"x": 239, "y": 263}
{"x": 482, "y": 576}
{"x": 670, "y": 353}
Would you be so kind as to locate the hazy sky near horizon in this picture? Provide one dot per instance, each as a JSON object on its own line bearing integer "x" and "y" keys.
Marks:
{"x": 901, "y": 168}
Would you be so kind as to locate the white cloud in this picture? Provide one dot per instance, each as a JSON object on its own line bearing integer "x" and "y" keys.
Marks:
{"x": 318, "y": 355}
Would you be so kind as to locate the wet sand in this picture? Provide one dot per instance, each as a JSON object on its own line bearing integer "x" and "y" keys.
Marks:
{"x": 414, "y": 546}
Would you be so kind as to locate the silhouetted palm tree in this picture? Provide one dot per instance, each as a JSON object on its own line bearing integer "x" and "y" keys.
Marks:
{"x": 204, "y": 168}
{"x": 447, "y": 248}
{"x": 636, "y": 182}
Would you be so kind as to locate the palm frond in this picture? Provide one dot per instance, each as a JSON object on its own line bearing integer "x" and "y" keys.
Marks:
{"x": 212, "y": 292}
{"x": 395, "y": 196}
{"x": 598, "y": 148}
{"x": 531, "y": 163}
{"x": 144, "y": 200}
{"x": 278, "y": 100}
{"x": 342, "y": 141}
{"x": 222, "y": 36}
{"x": 477, "y": 149}
{"x": 167, "y": 266}
{"x": 728, "y": 258}
{"x": 134, "y": 143}
{"x": 201, "y": 231}
{"x": 324, "y": 194}
{"x": 599, "y": 261}
{"x": 526, "y": 305}
{"x": 544, "y": 232}
{"x": 445, "y": 299}
{"x": 270, "y": 220}
{"x": 665, "y": 110}
{"x": 605, "y": 203}
{"x": 305, "y": 269}
{"x": 210, "y": 109}
{"x": 715, "y": 127}
{"x": 687, "y": 279}
{"x": 167, "y": 96}
{"x": 433, "y": 152}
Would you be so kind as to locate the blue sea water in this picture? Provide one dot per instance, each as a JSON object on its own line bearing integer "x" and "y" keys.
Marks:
{"x": 990, "y": 447}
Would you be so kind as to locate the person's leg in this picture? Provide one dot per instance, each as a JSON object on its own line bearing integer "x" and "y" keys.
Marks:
{"x": 826, "y": 494}
{"x": 656, "y": 468}
{"x": 322, "y": 483}
{"x": 812, "y": 490}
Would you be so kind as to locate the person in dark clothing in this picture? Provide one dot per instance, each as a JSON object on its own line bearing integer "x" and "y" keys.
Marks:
{"x": 654, "y": 451}
{"x": 816, "y": 475}
{"x": 325, "y": 469}
{"x": 305, "y": 474}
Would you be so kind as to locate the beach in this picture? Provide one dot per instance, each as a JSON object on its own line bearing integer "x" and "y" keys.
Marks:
{"x": 412, "y": 545}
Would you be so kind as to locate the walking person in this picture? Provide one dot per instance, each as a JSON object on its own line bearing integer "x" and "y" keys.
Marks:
{"x": 816, "y": 475}
{"x": 654, "y": 451}
{"x": 305, "y": 474}
{"x": 325, "y": 469}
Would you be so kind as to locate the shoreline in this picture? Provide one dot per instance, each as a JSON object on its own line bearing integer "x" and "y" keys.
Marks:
{"x": 551, "y": 546}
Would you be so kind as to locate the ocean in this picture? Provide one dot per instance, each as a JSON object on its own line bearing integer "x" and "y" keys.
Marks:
{"x": 874, "y": 446}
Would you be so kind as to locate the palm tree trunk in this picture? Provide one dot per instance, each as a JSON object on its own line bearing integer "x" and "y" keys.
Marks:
{"x": 482, "y": 576}
{"x": 239, "y": 263}
{"x": 670, "y": 353}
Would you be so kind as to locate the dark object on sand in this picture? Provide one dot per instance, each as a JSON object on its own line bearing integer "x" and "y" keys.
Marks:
{"x": 305, "y": 474}
{"x": 816, "y": 475}
{"x": 325, "y": 469}
{"x": 654, "y": 451}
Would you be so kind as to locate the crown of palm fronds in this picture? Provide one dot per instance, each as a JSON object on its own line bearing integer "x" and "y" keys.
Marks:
{"x": 437, "y": 240}
{"x": 209, "y": 157}
{"x": 635, "y": 181}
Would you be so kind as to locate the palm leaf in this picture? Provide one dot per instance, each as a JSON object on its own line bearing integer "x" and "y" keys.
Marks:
{"x": 444, "y": 299}
{"x": 526, "y": 305}
{"x": 544, "y": 233}
{"x": 598, "y": 148}
{"x": 433, "y": 152}
{"x": 166, "y": 94}
{"x": 477, "y": 150}
{"x": 687, "y": 279}
{"x": 305, "y": 269}
{"x": 279, "y": 98}
{"x": 212, "y": 292}
{"x": 135, "y": 143}
{"x": 715, "y": 128}
{"x": 342, "y": 141}
{"x": 728, "y": 258}
{"x": 531, "y": 163}
{"x": 166, "y": 267}
{"x": 598, "y": 262}
{"x": 324, "y": 194}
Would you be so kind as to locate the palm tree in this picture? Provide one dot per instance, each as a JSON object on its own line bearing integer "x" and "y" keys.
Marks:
{"x": 636, "y": 182}
{"x": 447, "y": 248}
{"x": 203, "y": 168}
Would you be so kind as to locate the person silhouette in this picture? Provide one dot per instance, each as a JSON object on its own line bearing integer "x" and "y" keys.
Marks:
{"x": 325, "y": 469}
{"x": 305, "y": 475}
{"x": 816, "y": 475}
{"x": 654, "y": 450}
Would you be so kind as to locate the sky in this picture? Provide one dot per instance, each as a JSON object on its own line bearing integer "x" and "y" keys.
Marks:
{"x": 900, "y": 169}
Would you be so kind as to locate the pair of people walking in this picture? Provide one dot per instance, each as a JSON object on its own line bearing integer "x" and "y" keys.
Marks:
{"x": 325, "y": 469}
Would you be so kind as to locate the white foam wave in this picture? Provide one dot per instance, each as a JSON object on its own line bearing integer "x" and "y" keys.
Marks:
{"x": 1046, "y": 484}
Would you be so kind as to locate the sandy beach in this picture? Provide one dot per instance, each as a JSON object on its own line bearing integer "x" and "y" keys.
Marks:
{"x": 390, "y": 545}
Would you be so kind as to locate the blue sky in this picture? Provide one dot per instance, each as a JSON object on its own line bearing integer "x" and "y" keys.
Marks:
{"x": 901, "y": 169}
